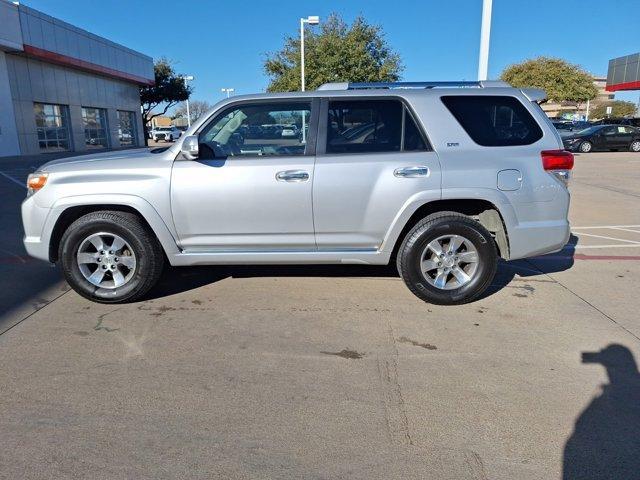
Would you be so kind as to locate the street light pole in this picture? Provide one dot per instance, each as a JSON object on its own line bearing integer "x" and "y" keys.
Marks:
{"x": 485, "y": 33}
{"x": 188, "y": 78}
{"x": 311, "y": 20}
{"x": 228, "y": 91}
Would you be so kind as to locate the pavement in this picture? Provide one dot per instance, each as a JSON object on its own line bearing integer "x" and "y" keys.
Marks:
{"x": 333, "y": 371}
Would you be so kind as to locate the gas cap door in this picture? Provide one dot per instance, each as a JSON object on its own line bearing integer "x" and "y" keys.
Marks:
{"x": 509, "y": 180}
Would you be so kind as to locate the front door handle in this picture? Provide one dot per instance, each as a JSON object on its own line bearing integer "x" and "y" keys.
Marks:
{"x": 412, "y": 172}
{"x": 292, "y": 176}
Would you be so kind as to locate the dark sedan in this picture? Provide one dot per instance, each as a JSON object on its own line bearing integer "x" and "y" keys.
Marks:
{"x": 603, "y": 137}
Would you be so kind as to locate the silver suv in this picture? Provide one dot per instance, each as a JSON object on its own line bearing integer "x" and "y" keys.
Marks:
{"x": 440, "y": 177}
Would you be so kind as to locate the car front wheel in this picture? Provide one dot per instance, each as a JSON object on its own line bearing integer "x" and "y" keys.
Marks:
{"x": 447, "y": 259}
{"x": 110, "y": 257}
{"x": 635, "y": 146}
{"x": 585, "y": 147}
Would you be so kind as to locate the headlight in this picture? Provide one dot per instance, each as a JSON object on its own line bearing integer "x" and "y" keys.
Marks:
{"x": 35, "y": 181}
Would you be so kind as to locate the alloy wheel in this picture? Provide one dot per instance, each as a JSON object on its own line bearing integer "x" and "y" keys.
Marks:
{"x": 449, "y": 262}
{"x": 106, "y": 260}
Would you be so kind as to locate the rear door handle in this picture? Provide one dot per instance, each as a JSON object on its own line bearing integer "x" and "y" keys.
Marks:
{"x": 412, "y": 172}
{"x": 292, "y": 176}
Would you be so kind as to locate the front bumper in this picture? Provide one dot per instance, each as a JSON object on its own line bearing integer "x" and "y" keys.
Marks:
{"x": 36, "y": 237}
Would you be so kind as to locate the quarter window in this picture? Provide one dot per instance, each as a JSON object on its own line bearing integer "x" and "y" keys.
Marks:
{"x": 257, "y": 129}
{"x": 494, "y": 121}
{"x": 370, "y": 126}
{"x": 127, "y": 128}
{"x": 95, "y": 127}
{"x": 52, "y": 126}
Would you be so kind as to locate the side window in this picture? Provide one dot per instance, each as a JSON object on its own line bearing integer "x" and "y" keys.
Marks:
{"x": 413, "y": 140}
{"x": 364, "y": 126}
{"x": 257, "y": 129}
{"x": 609, "y": 131}
{"x": 494, "y": 121}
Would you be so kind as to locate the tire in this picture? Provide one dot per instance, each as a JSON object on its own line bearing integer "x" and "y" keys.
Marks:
{"x": 635, "y": 146}
{"x": 436, "y": 229}
{"x": 122, "y": 280}
{"x": 585, "y": 147}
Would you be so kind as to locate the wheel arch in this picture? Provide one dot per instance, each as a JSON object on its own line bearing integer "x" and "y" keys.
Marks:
{"x": 484, "y": 211}
{"x": 65, "y": 213}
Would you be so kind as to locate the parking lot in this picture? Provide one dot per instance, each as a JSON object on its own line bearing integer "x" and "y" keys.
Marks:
{"x": 334, "y": 371}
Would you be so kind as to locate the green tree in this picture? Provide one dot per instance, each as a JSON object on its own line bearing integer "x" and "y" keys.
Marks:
{"x": 169, "y": 89}
{"x": 563, "y": 81}
{"x": 619, "y": 108}
{"x": 337, "y": 53}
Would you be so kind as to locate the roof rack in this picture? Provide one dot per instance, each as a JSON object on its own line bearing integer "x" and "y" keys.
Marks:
{"x": 411, "y": 85}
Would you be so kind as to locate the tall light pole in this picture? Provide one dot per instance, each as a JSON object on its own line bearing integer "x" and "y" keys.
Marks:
{"x": 485, "y": 33}
{"x": 188, "y": 78}
{"x": 312, "y": 20}
{"x": 228, "y": 91}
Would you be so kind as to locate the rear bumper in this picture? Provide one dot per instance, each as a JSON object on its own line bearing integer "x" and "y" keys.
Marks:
{"x": 538, "y": 238}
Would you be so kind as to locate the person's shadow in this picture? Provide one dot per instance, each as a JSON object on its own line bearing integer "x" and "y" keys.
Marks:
{"x": 605, "y": 443}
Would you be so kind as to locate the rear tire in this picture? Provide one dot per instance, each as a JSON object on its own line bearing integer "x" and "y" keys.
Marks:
{"x": 585, "y": 147}
{"x": 110, "y": 257}
{"x": 447, "y": 279}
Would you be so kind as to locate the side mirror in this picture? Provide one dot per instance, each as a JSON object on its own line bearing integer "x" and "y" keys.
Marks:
{"x": 189, "y": 147}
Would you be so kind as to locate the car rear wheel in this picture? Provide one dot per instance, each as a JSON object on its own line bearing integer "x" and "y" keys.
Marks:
{"x": 585, "y": 147}
{"x": 635, "y": 146}
{"x": 447, "y": 259}
{"x": 110, "y": 257}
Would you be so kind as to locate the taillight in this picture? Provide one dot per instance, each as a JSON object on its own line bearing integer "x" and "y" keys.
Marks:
{"x": 559, "y": 163}
{"x": 557, "y": 160}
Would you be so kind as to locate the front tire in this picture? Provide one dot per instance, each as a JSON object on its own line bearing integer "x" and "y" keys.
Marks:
{"x": 635, "y": 146}
{"x": 585, "y": 147}
{"x": 447, "y": 259}
{"x": 110, "y": 257}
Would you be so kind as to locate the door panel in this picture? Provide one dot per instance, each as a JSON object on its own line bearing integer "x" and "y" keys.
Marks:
{"x": 357, "y": 197}
{"x": 239, "y": 204}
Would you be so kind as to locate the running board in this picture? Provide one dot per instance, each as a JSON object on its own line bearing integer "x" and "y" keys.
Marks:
{"x": 358, "y": 257}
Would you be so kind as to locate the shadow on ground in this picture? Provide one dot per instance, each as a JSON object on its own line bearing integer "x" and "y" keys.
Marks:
{"x": 605, "y": 443}
{"x": 181, "y": 279}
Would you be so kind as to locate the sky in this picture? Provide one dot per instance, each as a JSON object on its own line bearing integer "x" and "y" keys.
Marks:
{"x": 224, "y": 43}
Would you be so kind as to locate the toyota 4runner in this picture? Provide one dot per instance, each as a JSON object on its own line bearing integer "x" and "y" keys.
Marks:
{"x": 442, "y": 178}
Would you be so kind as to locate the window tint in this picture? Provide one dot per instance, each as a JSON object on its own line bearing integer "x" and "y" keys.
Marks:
{"x": 494, "y": 121}
{"x": 257, "y": 129}
{"x": 364, "y": 126}
{"x": 413, "y": 140}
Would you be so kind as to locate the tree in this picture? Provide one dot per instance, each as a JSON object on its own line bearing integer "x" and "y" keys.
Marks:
{"x": 619, "y": 108}
{"x": 169, "y": 89}
{"x": 338, "y": 53}
{"x": 197, "y": 108}
{"x": 563, "y": 81}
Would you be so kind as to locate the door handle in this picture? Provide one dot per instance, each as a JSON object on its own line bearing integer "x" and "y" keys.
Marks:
{"x": 412, "y": 172}
{"x": 292, "y": 176}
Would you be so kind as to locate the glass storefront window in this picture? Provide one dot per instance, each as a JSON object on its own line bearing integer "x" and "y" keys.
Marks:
{"x": 127, "y": 128}
{"x": 96, "y": 133}
{"x": 52, "y": 126}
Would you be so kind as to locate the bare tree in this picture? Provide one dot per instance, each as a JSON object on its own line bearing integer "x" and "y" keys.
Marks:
{"x": 197, "y": 108}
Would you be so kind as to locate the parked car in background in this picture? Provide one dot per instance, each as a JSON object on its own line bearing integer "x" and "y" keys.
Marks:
{"x": 440, "y": 178}
{"x": 633, "y": 122}
{"x": 603, "y": 137}
{"x": 167, "y": 134}
{"x": 565, "y": 127}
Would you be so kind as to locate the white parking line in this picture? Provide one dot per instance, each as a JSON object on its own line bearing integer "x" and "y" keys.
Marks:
{"x": 17, "y": 182}
{"x": 606, "y": 226}
{"x": 585, "y": 247}
{"x": 608, "y": 238}
{"x": 625, "y": 229}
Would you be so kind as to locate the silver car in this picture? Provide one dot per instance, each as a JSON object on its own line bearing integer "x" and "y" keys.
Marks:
{"x": 442, "y": 178}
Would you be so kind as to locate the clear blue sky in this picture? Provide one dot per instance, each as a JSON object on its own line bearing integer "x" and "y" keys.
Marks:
{"x": 223, "y": 43}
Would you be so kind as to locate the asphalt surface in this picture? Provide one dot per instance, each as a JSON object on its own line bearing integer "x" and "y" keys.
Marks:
{"x": 333, "y": 372}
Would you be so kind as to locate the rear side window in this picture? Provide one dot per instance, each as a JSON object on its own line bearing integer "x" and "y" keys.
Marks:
{"x": 371, "y": 126}
{"x": 494, "y": 121}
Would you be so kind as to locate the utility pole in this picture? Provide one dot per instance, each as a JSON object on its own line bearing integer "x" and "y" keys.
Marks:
{"x": 485, "y": 34}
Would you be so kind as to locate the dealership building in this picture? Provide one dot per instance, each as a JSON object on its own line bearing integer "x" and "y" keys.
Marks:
{"x": 65, "y": 89}
{"x": 624, "y": 73}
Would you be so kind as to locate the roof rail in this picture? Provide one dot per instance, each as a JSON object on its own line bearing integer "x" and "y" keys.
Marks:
{"x": 411, "y": 85}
